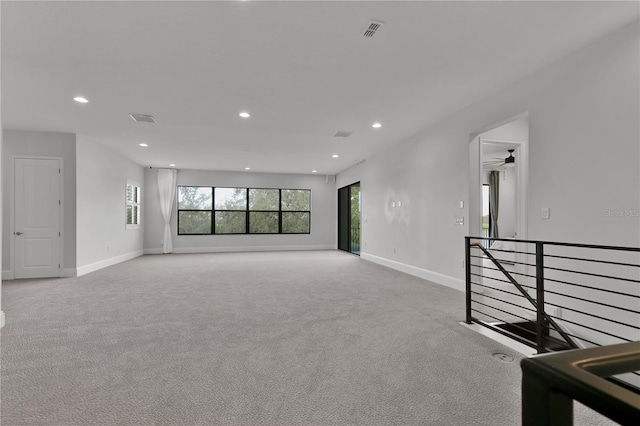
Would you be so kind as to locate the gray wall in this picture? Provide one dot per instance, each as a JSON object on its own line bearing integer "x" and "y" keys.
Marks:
{"x": 323, "y": 213}
{"x": 103, "y": 239}
{"x": 583, "y": 150}
{"x": 42, "y": 144}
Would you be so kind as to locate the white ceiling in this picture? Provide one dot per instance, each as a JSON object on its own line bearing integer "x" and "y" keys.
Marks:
{"x": 302, "y": 69}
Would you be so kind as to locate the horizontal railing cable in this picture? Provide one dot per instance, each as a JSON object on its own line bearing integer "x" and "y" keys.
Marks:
{"x": 621, "y": 293}
{"x": 498, "y": 289}
{"x": 594, "y": 329}
{"x": 609, "y": 262}
{"x": 503, "y": 301}
{"x": 506, "y": 281}
{"x": 593, "y": 301}
{"x": 593, "y": 274}
{"x": 591, "y": 315}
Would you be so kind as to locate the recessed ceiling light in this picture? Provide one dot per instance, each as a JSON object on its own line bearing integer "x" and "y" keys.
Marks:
{"x": 244, "y": 114}
{"x": 80, "y": 100}
{"x": 144, "y": 145}
{"x": 314, "y": 171}
{"x": 376, "y": 125}
{"x": 172, "y": 165}
{"x": 335, "y": 156}
{"x": 247, "y": 168}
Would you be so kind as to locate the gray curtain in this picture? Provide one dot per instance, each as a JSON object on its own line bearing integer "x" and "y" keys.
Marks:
{"x": 494, "y": 195}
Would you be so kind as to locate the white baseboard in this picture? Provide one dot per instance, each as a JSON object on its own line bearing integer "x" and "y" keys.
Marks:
{"x": 2, "y": 322}
{"x": 426, "y": 274}
{"x": 183, "y": 250}
{"x": 68, "y": 272}
{"x": 92, "y": 267}
{"x": 7, "y": 274}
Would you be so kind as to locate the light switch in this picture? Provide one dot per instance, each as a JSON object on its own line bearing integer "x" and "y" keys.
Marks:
{"x": 393, "y": 204}
{"x": 545, "y": 212}
{"x": 462, "y": 204}
{"x": 399, "y": 203}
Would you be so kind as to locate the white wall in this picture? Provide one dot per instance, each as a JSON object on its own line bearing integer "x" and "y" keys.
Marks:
{"x": 323, "y": 213}
{"x": 40, "y": 144}
{"x": 2, "y": 238}
{"x": 101, "y": 181}
{"x": 583, "y": 148}
{"x": 517, "y": 130}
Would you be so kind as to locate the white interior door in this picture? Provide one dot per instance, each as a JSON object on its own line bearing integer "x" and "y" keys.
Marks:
{"x": 37, "y": 217}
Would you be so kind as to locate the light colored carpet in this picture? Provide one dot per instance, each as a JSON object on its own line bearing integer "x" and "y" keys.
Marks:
{"x": 284, "y": 338}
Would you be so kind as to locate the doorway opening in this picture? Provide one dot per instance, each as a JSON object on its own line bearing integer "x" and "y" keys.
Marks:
{"x": 349, "y": 214}
{"x": 486, "y": 223}
{"x": 498, "y": 180}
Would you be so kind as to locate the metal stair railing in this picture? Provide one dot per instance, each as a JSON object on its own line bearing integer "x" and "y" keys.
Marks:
{"x": 539, "y": 304}
{"x": 553, "y": 295}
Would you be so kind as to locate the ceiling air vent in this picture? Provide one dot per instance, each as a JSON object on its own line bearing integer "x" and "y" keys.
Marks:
{"x": 371, "y": 28}
{"x": 142, "y": 118}
{"x": 342, "y": 134}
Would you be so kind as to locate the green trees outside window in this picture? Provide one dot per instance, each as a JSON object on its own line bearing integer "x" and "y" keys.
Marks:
{"x": 207, "y": 210}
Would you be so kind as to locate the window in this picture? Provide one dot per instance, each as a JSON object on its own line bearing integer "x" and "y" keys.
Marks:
{"x": 133, "y": 205}
{"x": 296, "y": 217}
{"x": 206, "y": 210}
{"x": 264, "y": 215}
{"x": 230, "y": 211}
{"x": 194, "y": 210}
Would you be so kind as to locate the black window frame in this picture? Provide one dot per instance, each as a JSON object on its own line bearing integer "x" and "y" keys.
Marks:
{"x": 247, "y": 211}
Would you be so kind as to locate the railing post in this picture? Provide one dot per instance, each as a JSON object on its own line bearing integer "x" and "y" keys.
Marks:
{"x": 467, "y": 264}
{"x": 540, "y": 297}
{"x": 541, "y": 404}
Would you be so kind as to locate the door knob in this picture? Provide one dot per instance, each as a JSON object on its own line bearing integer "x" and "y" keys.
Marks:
{"x": 18, "y": 233}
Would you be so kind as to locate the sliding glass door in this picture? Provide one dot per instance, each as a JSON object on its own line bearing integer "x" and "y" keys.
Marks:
{"x": 349, "y": 218}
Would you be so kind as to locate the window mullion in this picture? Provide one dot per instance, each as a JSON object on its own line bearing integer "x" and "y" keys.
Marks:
{"x": 246, "y": 208}
{"x": 213, "y": 210}
{"x": 280, "y": 211}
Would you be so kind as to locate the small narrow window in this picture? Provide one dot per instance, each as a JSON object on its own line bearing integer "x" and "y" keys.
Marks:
{"x": 133, "y": 205}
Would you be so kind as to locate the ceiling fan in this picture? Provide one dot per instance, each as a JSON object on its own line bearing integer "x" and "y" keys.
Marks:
{"x": 509, "y": 161}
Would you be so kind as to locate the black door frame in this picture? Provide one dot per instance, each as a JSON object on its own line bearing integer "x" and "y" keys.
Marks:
{"x": 345, "y": 233}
